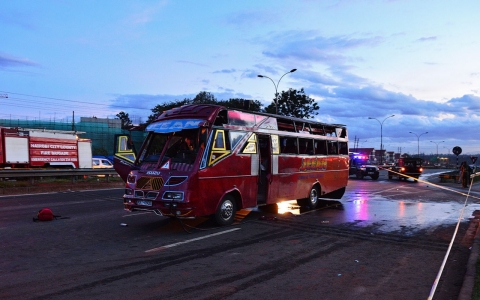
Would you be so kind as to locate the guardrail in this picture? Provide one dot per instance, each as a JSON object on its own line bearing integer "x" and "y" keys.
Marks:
{"x": 453, "y": 175}
{"x": 73, "y": 173}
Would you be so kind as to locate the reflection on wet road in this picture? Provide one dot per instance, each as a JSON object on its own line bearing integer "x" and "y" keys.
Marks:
{"x": 383, "y": 214}
{"x": 407, "y": 207}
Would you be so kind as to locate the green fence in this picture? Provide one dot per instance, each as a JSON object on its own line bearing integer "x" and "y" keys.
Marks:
{"x": 101, "y": 131}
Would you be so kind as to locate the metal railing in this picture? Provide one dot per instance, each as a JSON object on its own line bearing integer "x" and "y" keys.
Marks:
{"x": 73, "y": 173}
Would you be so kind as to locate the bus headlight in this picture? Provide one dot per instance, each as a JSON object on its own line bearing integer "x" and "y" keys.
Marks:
{"x": 173, "y": 196}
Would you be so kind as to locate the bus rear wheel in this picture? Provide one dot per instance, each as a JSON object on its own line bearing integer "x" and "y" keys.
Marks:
{"x": 225, "y": 214}
{"x": 312, "y": 199}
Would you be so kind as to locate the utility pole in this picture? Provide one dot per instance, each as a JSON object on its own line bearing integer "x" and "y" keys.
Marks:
{"x": 73, "y": 121}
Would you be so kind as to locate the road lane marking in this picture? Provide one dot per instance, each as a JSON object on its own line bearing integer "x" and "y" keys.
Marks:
{"x": 137, "y": 214}
{"x": 191, "y": 240}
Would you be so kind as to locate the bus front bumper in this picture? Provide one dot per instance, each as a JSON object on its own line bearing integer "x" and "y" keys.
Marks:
{"x": 160, "y": 208}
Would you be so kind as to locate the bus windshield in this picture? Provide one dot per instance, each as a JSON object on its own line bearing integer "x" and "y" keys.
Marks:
{"x": 179, "y": 146}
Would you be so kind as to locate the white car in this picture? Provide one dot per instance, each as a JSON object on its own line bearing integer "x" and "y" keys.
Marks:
{"x": 101, "y": 163}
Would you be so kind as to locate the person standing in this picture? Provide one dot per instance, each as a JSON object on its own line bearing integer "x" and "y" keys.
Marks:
{"x": 464, "y": 174}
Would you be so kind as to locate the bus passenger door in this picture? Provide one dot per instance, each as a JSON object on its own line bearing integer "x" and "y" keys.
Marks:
{"x": 265, "y": 165}
{"x": 124, "y": 155}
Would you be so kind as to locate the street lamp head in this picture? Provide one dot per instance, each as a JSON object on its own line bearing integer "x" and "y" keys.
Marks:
{"x": 371, "y": 118}
{"x": 392, "y": 116}
{"x": 261, "y": 76}
{"x": 292, "y": 70}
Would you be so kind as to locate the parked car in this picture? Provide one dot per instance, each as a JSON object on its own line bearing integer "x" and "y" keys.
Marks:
{"x": 101, "y": 163}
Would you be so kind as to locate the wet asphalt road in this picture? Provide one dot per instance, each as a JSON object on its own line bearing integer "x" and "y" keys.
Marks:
{"x": 383, "y": 240}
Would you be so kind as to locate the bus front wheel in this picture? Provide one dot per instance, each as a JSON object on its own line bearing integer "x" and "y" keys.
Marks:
{"x": 225, "y": 214}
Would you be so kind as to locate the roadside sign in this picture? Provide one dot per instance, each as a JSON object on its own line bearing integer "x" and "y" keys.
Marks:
{"x": 457, "y": 150}
{"x": 474, "y": 159}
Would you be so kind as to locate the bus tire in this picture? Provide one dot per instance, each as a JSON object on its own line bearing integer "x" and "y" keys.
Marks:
{"x": 312, "y": 200}
{"x": 225, "y": 214}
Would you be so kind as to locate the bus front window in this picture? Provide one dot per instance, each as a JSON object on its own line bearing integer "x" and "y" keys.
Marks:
{"x": 179, "y": 147}
{"x": 183, "y": 146}
{"x": 153, "y": 149}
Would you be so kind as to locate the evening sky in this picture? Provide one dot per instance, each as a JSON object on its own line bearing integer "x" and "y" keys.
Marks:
{"x": 418, "y": 60}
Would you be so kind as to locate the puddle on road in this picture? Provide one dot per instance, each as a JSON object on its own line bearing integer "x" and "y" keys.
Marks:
{"x": 384, "y": 214}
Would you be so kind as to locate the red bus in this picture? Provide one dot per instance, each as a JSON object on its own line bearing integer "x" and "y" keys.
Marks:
{"x": 208, "y": 160}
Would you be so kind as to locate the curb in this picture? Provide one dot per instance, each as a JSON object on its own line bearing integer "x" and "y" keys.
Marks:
{"x": 471, "y": 272}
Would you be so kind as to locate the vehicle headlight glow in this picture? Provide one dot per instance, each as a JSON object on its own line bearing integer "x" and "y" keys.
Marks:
{"x": 131, "y": 178}
{"x": 172, "y": 196}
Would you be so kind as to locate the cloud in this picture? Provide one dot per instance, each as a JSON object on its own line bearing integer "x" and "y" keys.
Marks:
{"x": 427, "y": 39}
{"x": 310, "y": 46}
{"x": 191, "y": 63}
{"x": 250, "y": 18}
{"x": 7, "y": 61}
{"x": 225, "y": 71}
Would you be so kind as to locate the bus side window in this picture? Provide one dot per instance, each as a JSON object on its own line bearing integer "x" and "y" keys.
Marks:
{"x": 343, "y": 148}
{"x": 320, "y": 147}
{"x": 305, "y": 146}
{"x": 289, "y": 145}
{"x": 332, "y": 147}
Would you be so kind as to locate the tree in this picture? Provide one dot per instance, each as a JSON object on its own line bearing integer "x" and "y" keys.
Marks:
{"x": 294, "y": 103}
{"x": 125, "y": 119}
{"x": 239, "y": 103}
{"x": 204, "y": 98}
{"x": 160, "y": 108}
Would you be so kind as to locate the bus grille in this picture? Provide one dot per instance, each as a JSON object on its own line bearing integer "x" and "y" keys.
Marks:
{"x": 150, "y": 183}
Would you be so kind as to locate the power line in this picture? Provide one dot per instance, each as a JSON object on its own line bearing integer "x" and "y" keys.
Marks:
{"x": 72, "y": 101}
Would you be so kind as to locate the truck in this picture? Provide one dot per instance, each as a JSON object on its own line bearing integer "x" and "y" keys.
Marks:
{"x": 406, "y": 167}
{"x": 360, "y": 167}
{"x": 42, "y": 148}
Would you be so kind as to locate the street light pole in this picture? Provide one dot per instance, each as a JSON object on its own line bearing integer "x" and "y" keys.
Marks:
{"x": 381, "y": 136}
{"x": 276, "y": 86}
{"x": 418, "y": 141}
{"x": 437, "y": 146}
